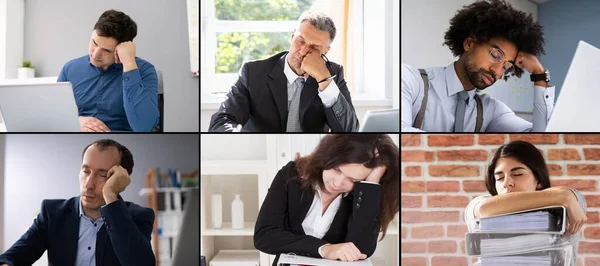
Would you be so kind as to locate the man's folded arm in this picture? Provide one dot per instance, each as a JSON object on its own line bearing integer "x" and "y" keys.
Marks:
{"x": 341, "y": 116}
{"x": 130, "y": 241}
{"x": 235, "y": 110}
{"x": 30, "y": 247}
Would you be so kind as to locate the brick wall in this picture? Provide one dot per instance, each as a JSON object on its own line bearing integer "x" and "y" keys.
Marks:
{"x": 442, "y": 173}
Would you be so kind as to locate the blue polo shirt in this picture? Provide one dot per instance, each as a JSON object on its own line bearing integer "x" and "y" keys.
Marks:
{"x": 123, "y": 101}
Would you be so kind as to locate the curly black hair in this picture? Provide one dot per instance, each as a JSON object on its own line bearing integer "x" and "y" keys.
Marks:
{"x": 484, "y": 20}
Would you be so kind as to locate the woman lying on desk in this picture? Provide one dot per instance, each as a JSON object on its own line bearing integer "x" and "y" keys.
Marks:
{"x": 333, "y": 203}
{"x": 517, "y": 179}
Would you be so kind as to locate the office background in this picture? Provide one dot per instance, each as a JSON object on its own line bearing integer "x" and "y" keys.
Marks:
{"x": 441, "y": 174}
{"x": 246, "y": 165}
{"x": 565, "y": 23}
{"x": 55, "y": 32}
{"x": 37, "y": 167}
{"x": 367, "y": 44}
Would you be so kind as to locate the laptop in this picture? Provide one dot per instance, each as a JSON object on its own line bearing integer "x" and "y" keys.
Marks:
{"x": 381, "y": 121}
{"x": 47, "y": 107}
{"x": 188, "y": 240}
{"x": 577, "y": 104}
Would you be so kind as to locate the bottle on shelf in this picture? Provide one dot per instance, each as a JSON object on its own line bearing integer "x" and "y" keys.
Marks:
{"x": 217, "y": 211}
{"x": 237, "y": 213}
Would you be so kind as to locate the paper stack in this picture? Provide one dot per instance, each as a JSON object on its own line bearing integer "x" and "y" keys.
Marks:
{"x": 301, "y": 260}
{"x": 530, "y": 237}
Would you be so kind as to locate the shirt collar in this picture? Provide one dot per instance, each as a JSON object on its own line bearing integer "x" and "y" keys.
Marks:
{"x": 453, "y": 84}
{"x": 287, "y": 70}
{"x": 114, "y": 65}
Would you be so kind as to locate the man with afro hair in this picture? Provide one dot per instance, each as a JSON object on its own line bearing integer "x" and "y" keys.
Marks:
{"x": 493, "y": 41}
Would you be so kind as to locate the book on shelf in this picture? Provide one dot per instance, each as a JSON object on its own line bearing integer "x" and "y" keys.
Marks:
{"x": 285, "y": 259}
{"x": 550, "y": 220}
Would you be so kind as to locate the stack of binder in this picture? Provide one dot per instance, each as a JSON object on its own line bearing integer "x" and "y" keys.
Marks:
{"x": 530, "y": 237}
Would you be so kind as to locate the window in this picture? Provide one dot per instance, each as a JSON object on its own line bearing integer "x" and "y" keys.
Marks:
{"x": 237, "y": 31}
{"x": 193, "y": 18}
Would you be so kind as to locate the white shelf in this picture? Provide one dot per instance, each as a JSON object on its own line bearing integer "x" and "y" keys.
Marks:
{"x": 233, "y": 167}
{"x": 147, "y": 191}
{"x": 227, "y": 230}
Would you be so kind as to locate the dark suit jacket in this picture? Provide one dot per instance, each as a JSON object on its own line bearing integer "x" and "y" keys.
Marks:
{"x": 258, "y": 101}
{"x": 279, "y": 225}
{"x": 124, "y": 239}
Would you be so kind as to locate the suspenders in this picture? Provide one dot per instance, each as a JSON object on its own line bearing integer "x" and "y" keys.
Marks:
{"x": 419, "y": 119}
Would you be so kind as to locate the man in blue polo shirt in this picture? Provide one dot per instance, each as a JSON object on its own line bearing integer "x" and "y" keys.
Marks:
{"x": 114, "y": 89}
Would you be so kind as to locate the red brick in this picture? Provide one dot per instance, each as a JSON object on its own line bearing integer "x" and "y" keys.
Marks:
{"x": 592, "y": 232}
{"x": 429, "y": 216}
{"x": 417, "y": 156}
{"x": 457, "y": 230}
{"x": 579, "y": 184}
{"x": 583, "y": 169}
{"x": 591, "y": 153}
{"x": 411, "y": 201}
{"x": 444, "y": 246}
{"x": 592, "y": 261}
{"x": 563, "y": 155}
{"x": 413, "y": 261}
{"x": 413, "y": 171}
{"x": 536, "y": 138}
{"x": 474, "y": 186}
{"x": 592, "y": 200}
{"x": 442, "y": 186}
{"x": 555, "y": 170}
{"x": 450, "y": 140}
{"x": 407, "y": 140}
{"x": 462, "y": 155}
{"x": 412, "y": 186}
{"x": 447, "y": 201}
{"x": 582, "y": 138}
{"x": 592, "y": 217}
{"x": 414, "y": 247}
{"x": 431, "y": 231}
{"x": 404, "y": 232}
{"x": 463, "y": 246}
{"x": 491, "y": 139}
{"x": 588, "y": 247}
{"x": 449, "y": 261}
{"x": 454, "y": 170}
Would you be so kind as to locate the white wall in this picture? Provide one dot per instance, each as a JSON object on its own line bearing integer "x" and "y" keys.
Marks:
{"x": 396, "y": 56}
{"x": 41, "y": 167}
{"x": 423, "y": 24}
{"x": 11, "y": 37}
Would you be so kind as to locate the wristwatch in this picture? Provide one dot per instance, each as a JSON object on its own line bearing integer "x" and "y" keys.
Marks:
{"x": 539, "y": 77}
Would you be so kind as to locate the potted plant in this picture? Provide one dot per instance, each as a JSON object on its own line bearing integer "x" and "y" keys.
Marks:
{"x": 26, "y": 70}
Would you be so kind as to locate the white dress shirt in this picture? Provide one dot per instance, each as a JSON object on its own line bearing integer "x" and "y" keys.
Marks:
{"x": 86, "y": 245}
{"x": 328, "y": 96}
{"x": 441, "y": 104}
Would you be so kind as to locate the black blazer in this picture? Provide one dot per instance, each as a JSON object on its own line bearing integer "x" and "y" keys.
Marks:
{"x": 123, "y": 239}
{"x": 258, "y": 101}
{"x": 279, "y": 225}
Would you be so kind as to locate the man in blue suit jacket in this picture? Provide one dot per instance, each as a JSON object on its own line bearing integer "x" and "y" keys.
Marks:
{"x": 96, "y": 228}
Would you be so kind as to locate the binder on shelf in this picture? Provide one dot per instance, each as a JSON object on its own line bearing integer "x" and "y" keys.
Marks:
{"x": 545, "y": 220}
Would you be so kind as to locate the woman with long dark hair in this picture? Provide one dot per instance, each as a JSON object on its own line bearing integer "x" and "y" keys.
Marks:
{"x": 517, "y": 179}
{"x": 334, "y": 202}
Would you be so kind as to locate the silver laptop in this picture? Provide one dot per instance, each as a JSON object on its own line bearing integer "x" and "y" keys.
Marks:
{"x": 381, "y": 121}
{"x": 48, "y": 107}
{"x": 577, "y": 105}
{"x": 188, "y": 240}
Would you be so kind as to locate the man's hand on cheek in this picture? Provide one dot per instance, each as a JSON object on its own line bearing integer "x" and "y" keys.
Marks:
{"x": 314, "y": 66}
{"x": 118, "y": 180}
{"x": 125, "y": 54}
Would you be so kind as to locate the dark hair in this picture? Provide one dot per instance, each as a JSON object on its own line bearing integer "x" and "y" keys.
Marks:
{"x": 126, "y": 156}
{"x": 116, "y": 24}
{"x": 525, "y": 153}
{"x": 484, "y": 20}
{"x": 334, "y": 150}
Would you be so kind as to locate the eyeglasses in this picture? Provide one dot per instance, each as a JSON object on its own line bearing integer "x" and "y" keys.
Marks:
{"x": 497, "y": 56}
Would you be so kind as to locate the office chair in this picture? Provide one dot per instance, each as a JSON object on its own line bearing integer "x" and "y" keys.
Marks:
{"x": 161, "y": 112}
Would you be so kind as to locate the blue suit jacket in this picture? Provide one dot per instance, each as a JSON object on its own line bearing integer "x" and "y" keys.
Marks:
{"x": 124, "y": 239}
